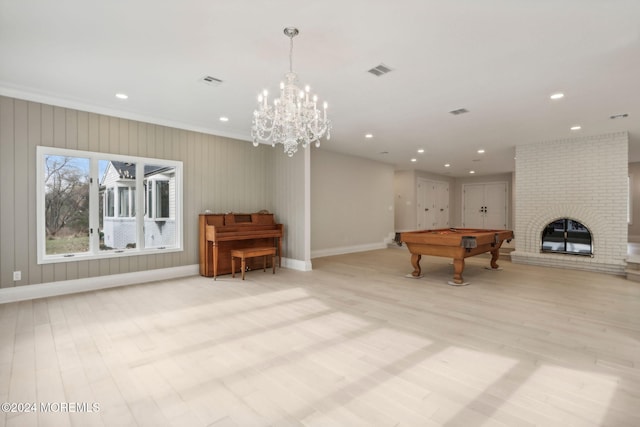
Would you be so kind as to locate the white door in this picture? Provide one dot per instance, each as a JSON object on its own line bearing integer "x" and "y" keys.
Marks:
{"x": 473, "y": 205}
{"x": 485, "y": 205}
{"x": 426, "y": 210}
{"x": 433, "y": 204}
{"x": 442, "y": 204}
{"x": 495, "y": 202}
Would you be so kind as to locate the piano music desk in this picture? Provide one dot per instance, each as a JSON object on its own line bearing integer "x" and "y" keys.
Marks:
{"x": 251, "y": 253}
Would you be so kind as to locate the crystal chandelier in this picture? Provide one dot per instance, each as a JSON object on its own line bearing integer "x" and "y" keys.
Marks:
{"x": 293, "y": 118}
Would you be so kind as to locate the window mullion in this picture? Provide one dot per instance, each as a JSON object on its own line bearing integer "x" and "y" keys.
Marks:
{"x": 140, "y": 201}
{"x": 94, "y": 201}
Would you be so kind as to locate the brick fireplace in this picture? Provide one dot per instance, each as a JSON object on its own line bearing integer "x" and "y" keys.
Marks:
{"x": 582, "y": 179}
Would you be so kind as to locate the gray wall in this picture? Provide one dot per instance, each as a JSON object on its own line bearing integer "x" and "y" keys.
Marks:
{"x": 352, "y": 197}
{"x": 634, "y": 227}
{"x": 220, "y": 174}
{"x": 351, "y": 203}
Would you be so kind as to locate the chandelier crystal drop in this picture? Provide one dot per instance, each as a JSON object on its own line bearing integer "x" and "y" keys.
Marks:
{"x": 294, "y": 118}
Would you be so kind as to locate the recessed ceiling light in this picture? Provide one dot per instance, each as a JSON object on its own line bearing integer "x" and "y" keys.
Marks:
{"x": 369, "y": 135}
{"x": 558, "y": 95}
{"x": 472, "y": 171}
{"x": 481, "y": 151}
{"x": 224, "y": 119}
{"x": 446, "y": 165}
{"x": 414, "y": 160}
{"x": 420, "y": 150}
{"x": 576, "y": 127}
{"x": 122, "y": 96}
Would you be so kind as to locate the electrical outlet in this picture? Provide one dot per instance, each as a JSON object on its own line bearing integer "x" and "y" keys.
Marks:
{"x": 17, "y": 275}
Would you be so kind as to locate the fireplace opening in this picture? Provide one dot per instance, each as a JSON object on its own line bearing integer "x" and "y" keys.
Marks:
{"x": 567, "y": 236}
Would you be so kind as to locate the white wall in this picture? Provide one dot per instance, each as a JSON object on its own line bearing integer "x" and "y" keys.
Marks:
{"x": 351, "y": 203}
{"x": 404, "y": 187}
{"x": 584, "y": 179}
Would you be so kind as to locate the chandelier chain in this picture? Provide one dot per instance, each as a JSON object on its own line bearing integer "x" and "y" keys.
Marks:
{"x": 291, "y": 54}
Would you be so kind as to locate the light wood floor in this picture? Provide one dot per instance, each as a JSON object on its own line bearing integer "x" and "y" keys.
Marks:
{"x": 352, "y": 343}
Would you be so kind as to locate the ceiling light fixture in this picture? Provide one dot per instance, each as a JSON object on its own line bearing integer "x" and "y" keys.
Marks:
{"x": 294, "y": 118}
{"x": 224, "y": 119}
{"x": 472, "y": 171}
{"x": 414, "y": 160}
{"x": 420, "y": 150}
{"x": 122, "y": 96}
{"x": 446, "y": 165}
{"x": 576, "y": 127}
{"x": 369, "y": 136}
{"x": 481, "y": 151}
{"x": 558, "y": 95}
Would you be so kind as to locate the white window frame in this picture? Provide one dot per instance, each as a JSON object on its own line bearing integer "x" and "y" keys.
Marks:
{"x": 94, "y": 201}
{"x": 152, "y": 194}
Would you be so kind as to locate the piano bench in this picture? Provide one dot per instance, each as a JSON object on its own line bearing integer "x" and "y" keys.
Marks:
{"x": 243, "y": 254}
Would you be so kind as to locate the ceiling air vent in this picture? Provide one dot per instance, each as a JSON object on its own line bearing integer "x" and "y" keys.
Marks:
{"x": 380, "y": 70}
{"x": 459, "y": 111}
{"x": 619, "y": 116}
{"x": 211, "y": 81}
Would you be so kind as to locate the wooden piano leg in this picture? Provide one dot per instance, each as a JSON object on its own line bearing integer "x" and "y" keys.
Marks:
{"x": 279, "y": 252}
{"x": 215, "y": 260}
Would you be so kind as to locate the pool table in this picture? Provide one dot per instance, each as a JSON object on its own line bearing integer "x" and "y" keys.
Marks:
{"x": 456, "y": 243}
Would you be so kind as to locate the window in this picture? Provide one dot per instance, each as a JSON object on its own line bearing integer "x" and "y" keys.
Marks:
{"x": 109, "y": 203}
{"x": 87, "y": 205}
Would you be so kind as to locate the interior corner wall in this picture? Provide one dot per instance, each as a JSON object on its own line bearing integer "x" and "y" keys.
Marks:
{"x": 351, "y": 203}
{"x": 220, "y": 174}
{"x": 290, "y": 194}
{"x": 404, "y": 188}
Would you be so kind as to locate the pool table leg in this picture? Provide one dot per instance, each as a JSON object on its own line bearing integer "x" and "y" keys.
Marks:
{"x": 415, "y": 262}
{"x": 494, "y": 258}
{"x": 458, "y": 266}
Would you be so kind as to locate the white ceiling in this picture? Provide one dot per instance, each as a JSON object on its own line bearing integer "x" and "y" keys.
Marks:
{"x": 499, "y": 59}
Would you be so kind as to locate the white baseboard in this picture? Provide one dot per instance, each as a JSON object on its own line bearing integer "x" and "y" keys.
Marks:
{"x": 42, "y": 290}
{"x": 348, "y": 249}
{"x": 296, "y": 264}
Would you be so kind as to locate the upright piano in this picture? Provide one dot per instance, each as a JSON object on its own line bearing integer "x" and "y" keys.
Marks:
{"x": 220, "y": 233}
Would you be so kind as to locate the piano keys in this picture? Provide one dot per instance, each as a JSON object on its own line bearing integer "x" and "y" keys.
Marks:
{"x": 221, "y": 233}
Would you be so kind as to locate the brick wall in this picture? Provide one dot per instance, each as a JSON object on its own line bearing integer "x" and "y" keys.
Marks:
{"x": 584, "y": 179}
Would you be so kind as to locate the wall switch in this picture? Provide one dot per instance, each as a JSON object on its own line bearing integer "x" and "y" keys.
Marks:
{"x": 17, "y": 275}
